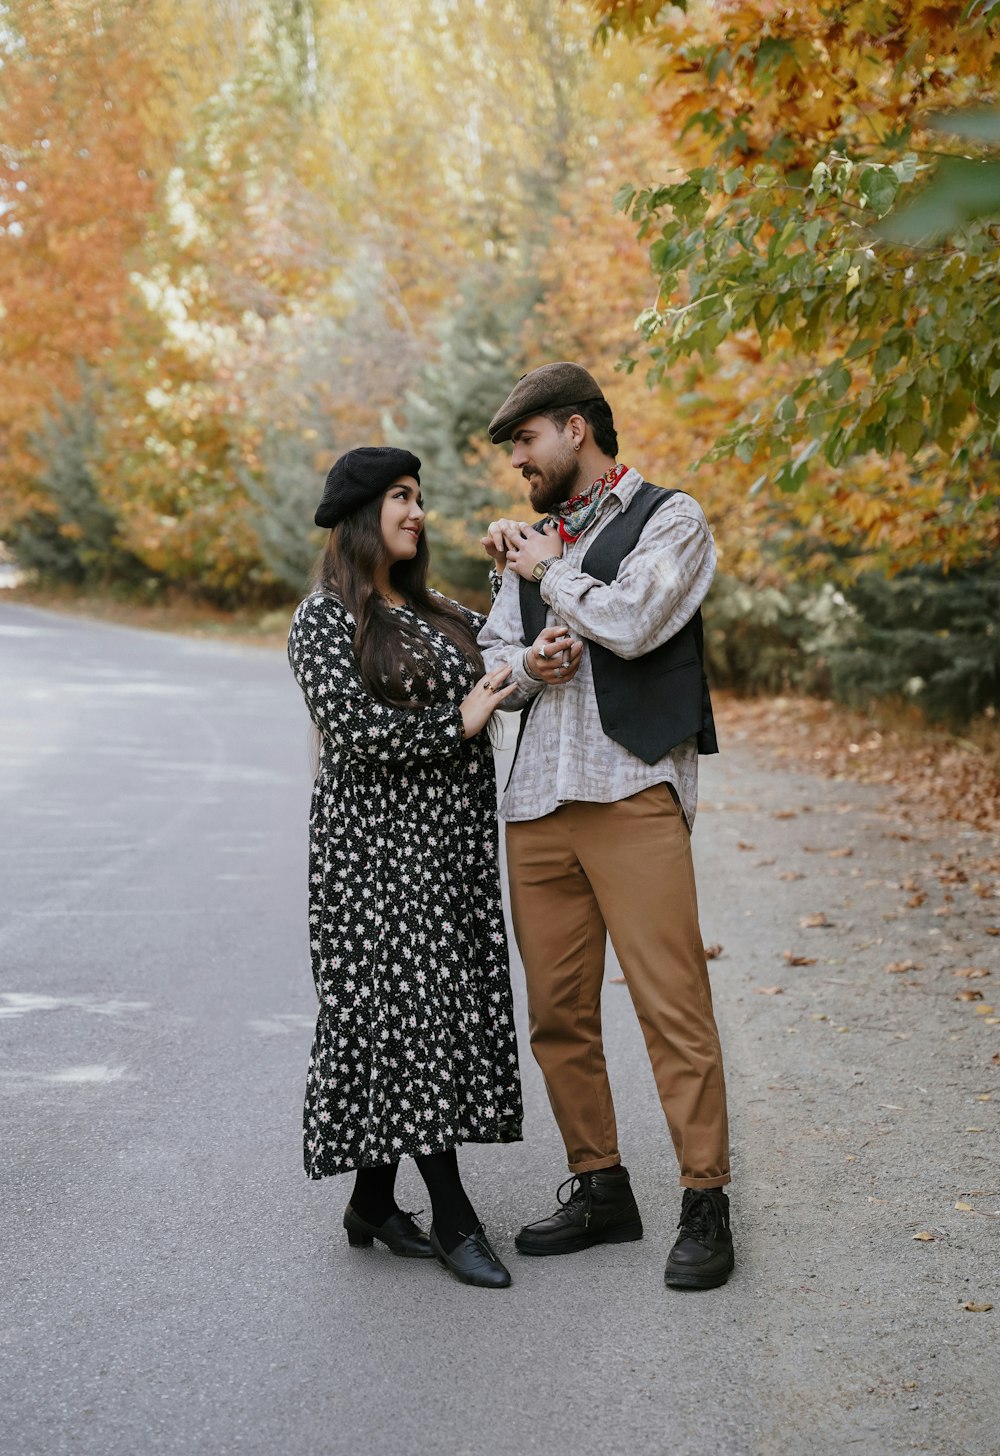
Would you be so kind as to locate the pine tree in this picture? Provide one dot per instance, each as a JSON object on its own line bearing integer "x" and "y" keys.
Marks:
{"x": 77, "y": 540}
{"x": 931, "y": 638}
{"x": 445, "y": 419}
{"x": 285, "y": 494}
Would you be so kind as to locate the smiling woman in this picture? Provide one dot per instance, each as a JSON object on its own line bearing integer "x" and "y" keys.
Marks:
{"x": 415, "y": 1049}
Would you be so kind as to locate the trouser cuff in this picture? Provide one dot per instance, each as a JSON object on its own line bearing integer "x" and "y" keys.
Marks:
{"x": 593, "y": 1165}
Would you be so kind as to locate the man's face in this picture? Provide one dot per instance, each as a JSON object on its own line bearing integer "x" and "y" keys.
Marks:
{"x": 546, "y": 458}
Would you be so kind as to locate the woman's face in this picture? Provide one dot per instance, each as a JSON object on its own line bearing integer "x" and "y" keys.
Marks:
{"x": 402, "y": 519}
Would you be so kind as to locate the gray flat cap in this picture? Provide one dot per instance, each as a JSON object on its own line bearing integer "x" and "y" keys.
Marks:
{"x": 543, "y": 389}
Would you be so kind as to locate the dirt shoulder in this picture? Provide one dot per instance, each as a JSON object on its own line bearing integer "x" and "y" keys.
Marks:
{"x": 255, "y": 628}
{"x": 857, "y": 983}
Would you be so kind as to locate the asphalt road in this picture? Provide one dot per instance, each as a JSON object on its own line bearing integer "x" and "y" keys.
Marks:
{"x": 171, "y": 1282}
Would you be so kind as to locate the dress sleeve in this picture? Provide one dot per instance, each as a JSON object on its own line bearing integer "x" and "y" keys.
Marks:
{"x": 321, "y": 653}
{"x": 501, "y": 640}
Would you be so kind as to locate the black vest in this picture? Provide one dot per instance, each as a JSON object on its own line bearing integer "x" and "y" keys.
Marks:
{"x": 652, "y": 703}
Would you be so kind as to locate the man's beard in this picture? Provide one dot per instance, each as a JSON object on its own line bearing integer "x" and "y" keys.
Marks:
{"x": 560, "y": 482}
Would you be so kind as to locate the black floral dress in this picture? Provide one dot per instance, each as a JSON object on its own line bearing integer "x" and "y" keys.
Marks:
{"x": 415, "y": 1050}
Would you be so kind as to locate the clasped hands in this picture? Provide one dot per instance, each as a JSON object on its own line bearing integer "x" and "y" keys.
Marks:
{"x": 518, "y": 545}
{"x": 554, "y": 656}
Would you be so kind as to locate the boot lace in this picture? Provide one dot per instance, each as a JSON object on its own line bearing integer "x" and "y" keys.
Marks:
{"x": 579, "y": 1195}
{"x": 703, "y": 1214}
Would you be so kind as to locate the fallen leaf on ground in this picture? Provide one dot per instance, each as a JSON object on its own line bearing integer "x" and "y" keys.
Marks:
{"x": 969, "y": 996}
{"x": 909, "y": 884}
{"x": 984, "y": 1010}
{"x": 844, "y": 853}
{"x": 995, "y": 1058}
{"x": 784, "y": 814}
{"x": 713, "y": 952}
{"x": 943, "y": 910}
{"x": 770, "y": 991}
{"x": 964, "y": 1207}
{"x": 924, "y": 1237}
{"x": 983, "y": 1097}
{"x": 993, "y": 930}
{"x": 974, "y": 1308}
{"x": 915, "y": 901}
{"x": 816, "y": 921}
{"x": 895, "y": 968}
{"x": 971, "y": 973}
{"x": 760, "y": 864}
{"x": 975, "y": 1129}
{"x": 812, "y": 849}
{"x": 799, "y": 960}
{"x": 791, "y": 875}
{"x": 740, "y": 845}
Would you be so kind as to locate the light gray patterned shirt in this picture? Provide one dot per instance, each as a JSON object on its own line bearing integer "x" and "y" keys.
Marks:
{"x": 565, "y": 754}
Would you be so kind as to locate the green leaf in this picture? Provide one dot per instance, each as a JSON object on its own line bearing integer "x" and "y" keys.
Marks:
{"x": 811, "y": 232}
{"x": 838, "y": 382}
{"x": 910, "y": 435}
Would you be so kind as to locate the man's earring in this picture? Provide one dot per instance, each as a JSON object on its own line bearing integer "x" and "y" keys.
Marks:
{"x": 577, "y": 445}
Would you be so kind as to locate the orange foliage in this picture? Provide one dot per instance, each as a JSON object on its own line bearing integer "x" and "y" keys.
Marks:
{"x": 77, "y": 177}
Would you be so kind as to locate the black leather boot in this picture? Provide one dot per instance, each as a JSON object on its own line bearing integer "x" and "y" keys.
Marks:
{"x": 702, "y": 1257}
{"x": 599, "y": 1209}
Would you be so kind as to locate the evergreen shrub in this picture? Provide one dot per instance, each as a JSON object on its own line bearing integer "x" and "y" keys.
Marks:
{"x": 930, "y": 638}
{"x": 768, "y": 640}
{"x": 75, "y": 540}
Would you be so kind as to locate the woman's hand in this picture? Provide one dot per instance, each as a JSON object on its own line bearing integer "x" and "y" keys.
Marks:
{"x": 554, "y": 656}
{"x": 494, "y": 543}
{"x": 478, "y": 707}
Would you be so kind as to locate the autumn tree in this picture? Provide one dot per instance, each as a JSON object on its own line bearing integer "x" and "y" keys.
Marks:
{"x": 872, "y": 379}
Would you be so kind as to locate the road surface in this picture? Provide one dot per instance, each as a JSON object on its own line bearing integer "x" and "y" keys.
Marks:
{"x": 174, "y": 1286}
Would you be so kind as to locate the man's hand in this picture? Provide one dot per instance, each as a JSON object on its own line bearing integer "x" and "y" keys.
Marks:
{"x": 554, "y": 656}
{"x": 494, "y": 543}
{"x": 525, "y": 548}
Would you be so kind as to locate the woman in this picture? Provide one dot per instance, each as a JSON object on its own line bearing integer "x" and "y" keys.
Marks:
{"x": 415, "y": 1049}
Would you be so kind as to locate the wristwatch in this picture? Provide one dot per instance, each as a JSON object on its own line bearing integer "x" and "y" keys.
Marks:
{"x": 541, "y": 567}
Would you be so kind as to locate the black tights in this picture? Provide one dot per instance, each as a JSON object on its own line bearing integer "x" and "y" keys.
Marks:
{"x": 374, "y": 1200}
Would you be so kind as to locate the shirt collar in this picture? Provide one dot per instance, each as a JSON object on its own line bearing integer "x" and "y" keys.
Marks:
{"x": 624, "y": 491}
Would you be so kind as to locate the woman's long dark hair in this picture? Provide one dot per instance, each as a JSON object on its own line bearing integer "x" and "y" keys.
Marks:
{"x": 388, "y": 648}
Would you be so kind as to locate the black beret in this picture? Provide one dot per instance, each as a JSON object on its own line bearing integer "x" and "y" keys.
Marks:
{"x": 543, "y": 389}
{"x": 361, "y": 476}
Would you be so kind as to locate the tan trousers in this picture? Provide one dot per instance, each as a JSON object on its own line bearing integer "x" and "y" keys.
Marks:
{"x": 575, "y": 875}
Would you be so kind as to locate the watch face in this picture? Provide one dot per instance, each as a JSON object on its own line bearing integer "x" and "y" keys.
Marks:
{"x": 539, "y": 570}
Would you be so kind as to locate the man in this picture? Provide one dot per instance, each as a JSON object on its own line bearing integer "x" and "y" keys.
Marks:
{"x": 598, "y": 610}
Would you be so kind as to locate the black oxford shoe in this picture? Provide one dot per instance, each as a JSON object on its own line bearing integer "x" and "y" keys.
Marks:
{"x": 399, "y": 1233}
{"x": 702, "y": 1257}
{"x": 474, "y": 1261}
{"x": 600, "y": 1208}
